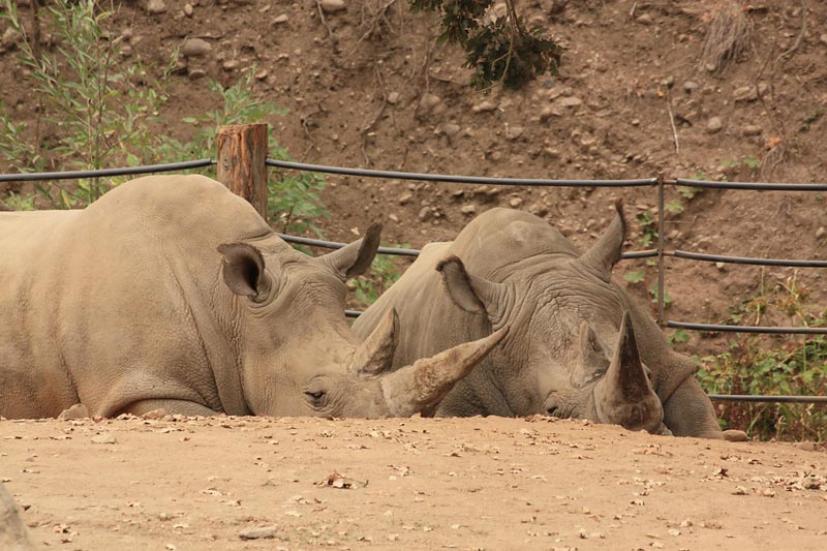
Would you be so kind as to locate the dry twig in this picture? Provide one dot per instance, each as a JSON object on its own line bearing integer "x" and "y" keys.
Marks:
{"x": 727, "y": 38}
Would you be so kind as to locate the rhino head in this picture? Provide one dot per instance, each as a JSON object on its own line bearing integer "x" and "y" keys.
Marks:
{"x": 296, "y": 352}
{"x": 571, "y": 350}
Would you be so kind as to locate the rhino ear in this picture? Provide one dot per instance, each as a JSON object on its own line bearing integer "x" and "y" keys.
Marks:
{"x": 471, "y": 293}
{"x": 243, "y": 271}
{"x": 605, "y": 253}
{"x": 353, "y": 259}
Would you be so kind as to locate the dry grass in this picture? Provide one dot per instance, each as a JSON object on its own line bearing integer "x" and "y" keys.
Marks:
{"x": 727, "y": 38}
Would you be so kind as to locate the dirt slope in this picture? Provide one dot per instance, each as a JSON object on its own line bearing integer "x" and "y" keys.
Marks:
{"x": 373, "y": 87}
{"x": 415, "y": 484}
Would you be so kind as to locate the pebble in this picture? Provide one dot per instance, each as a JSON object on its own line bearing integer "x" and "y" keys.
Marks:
{"x": 515, "y": 202}
{"x": 690, "y": 86}
{"x": 468, "y": 209}
{"x": 823, "y": 39}
{"x": 549, "y": 111}
{"x": 266, "y": 533}
{"x": 333, "y": 6}
{"x": 281, "y": 19}
{"x": 745, "y": 93}
{"x": 752, "y": 130}
{"x": 715, "y": 124}
{"x": 393, "y": 218}
{"x": 230, "y": 64}
{"x": 10, "y": 38}
{"x": 104, "y": 438}
{"x": 195, "y": 47}
{"x": 393, "y": 98}
{"x": 484, "y": 107}
{"x": 449, "y": 129}
{"x": 429, "y": 101}
{"x": 645, "y": 19}
{"x": 423, "y": 213}
{"x": 513, "y": 132}
{"x": 188, "y": 10}
{"x": 570, "y": 102}
{"x": 156, "y": 6}
{"x": 405, "y": 197}
{"x": 195, "y": 73}
{"x": 821, "y": 232}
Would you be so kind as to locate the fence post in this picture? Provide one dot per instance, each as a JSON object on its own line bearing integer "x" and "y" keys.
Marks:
{"x": 661, "y": 267}
{"x": 240, "y": 162}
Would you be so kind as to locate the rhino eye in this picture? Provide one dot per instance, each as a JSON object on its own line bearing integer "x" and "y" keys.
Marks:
{"x": 316, "y": 397}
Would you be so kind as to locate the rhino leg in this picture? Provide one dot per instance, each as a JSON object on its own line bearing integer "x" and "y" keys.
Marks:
{"x": 172, "y": 407}
{"x": 689, "y": 412}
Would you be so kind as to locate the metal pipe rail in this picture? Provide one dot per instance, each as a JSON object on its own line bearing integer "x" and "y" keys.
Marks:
{"x": 786, "y": 262}
{"x": 123, "y": 171}
{"x": 456, "y": 179}
{"x": 768, "y": 399}
{"x": 719, "y": 328}
{"x": 753, "y": 186}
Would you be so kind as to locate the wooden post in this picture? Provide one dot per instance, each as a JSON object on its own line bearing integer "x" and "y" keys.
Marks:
{"x": 241, "y": 155}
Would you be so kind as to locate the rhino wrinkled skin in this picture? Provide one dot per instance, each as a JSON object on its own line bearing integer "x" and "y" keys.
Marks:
{"x": 171, "y": 293}
{"x": 577, "y": 345}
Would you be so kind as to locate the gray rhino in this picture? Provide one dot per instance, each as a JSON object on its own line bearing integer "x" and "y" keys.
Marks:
{"x": 577, "y": 346}
{"x": 170, "y": 292}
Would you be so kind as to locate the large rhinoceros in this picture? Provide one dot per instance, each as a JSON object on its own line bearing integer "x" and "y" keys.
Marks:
{"x": 13, "y": 533}
{"x": 171, "y": 292}
{"x": 578, "y": 346}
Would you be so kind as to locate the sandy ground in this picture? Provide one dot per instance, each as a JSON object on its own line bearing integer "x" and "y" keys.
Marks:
{"x": 406, "y": 484}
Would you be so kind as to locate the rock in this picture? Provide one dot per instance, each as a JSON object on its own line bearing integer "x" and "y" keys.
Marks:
{"x": 155, "y": 6}
{"x": 550, "y": 111}
{"x": 690, "y": 86}
{"x": 714, "y": 125}
{"x": 515, "y": 202}
{"x": 751, "y": 130}
{"x": 13, "y": 534}
{"x": 745, "y": 93}
{"x": 10, "y": 38}
{"x": 281, "y": 19}
{"x": 423, "y": 213}
{"x": 195, "y": 47}
{"x": 570, "y": 102}
{"x": 513, "y": 132}
{"x": 333, "y": 6}
{"x": 405, "y": 197}
{"x": 645, "y": 19}
{"x": 104, "y": 438}
{"x": 261, "y": 75}
{"x": 823, "y": 39}
{"x": 484, "y": 107}
{"x": 155, "y": 414}
{"x": 126, "y": 50}
{"x": 265, "y": 533}
{"x": 188, "y": 10}
{"x": 393, "y": 218}
{"x": 429, "y": 102}
{"x": 230, "y": 64}
{"x": 393, "y": 98}
{"x": 468, "y": 209}
{"x": 195, "y": 73}
{"x": 448, "y": 129}
{"x": 77, "y": 411}
{"x": 821, "y": 232}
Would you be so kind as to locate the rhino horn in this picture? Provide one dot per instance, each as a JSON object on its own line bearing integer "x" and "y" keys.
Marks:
{"x": 419, "y": 388}
{"x": 605, "y": 253}
{"x": 375, "y": 354}
{"x": 626, "y": 376}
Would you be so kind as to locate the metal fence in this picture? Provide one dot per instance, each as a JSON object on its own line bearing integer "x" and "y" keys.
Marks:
{"x": 660, "y": 252}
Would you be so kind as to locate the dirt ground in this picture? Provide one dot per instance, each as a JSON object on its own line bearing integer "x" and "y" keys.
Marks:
{"x": 406, "y": 483}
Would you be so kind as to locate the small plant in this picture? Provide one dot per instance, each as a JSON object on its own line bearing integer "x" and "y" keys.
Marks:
{"x": 635, "y": 276}
{"x": 798, "y": 368}
{"x": 675, "y": 206}
{"x": 499, "y": 49}
{"x": 648, "y": 228}
{"x": 293, "y": 199}
{"x": 679, "y": 336}
{"x": 653, "y": 291}
{"x": 383, "y": 274}
{"x": 16, "y": 201}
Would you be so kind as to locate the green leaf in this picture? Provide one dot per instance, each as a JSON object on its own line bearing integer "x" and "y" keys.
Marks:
{"x": 675, "y": 206}
{"x": 634, "y": 277}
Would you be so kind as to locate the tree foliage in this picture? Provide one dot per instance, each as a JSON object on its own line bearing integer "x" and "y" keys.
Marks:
{"x": 499, "y": 49}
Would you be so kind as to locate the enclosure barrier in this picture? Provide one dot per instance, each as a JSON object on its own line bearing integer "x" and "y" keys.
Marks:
{"x": 241, "y": 166}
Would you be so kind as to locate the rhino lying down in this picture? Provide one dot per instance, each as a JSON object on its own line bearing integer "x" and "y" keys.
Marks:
{"x": 171, "y": 292}
{"x": 577, "y": 345}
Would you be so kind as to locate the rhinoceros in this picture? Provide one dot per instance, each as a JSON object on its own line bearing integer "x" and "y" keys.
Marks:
{"x": 170, "y": 292}
{"x": 578, "y": 345}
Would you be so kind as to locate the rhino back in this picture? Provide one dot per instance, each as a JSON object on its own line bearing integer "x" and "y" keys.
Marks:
{"x": 118, "y": 301}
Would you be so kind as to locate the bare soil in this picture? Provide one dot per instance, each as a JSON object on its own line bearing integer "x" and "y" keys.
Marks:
{"x": 416, "y": 483}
